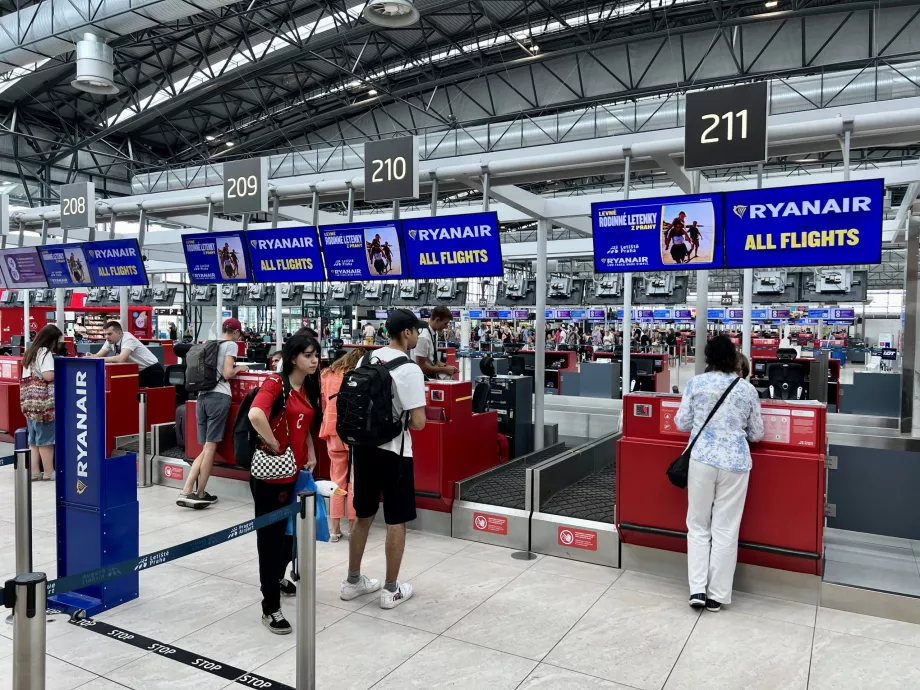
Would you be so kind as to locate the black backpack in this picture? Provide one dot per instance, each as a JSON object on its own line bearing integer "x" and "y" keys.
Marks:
{"x": 201, "y": 372}
{"x": 245, "y": 438}
{"x": 364, "y": 404}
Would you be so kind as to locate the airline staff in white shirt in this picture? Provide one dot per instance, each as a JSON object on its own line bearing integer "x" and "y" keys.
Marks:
{"x": 121, "y": 347}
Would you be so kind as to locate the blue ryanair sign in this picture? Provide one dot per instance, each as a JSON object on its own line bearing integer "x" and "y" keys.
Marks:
{"x": 462, "y": 246}
{"x": 832, "y": 224}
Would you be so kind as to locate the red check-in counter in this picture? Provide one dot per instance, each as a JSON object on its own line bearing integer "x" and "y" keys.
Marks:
{"x": 454, "y": 445}
{"x": 11, "y": 417}
{"x": 120, "y": 403}
{"x": 240, "y": 385}
{"x": 764, "y": 347}
{"x": 783, "y": 518}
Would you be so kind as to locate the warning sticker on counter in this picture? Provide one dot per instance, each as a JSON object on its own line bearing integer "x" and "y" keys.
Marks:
{"x": 173, "y": 472}
{"x": 669, "y": 410}
{"x": 793, "y": 427}
{"x": 496, "y": 524}
{"x": 578, "y": 538}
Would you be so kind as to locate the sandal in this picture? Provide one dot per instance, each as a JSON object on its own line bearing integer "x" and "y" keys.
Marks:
{"x": 334, "y": 537}
{"x": 37, "y": 477}
{"x": 48, "y": 476}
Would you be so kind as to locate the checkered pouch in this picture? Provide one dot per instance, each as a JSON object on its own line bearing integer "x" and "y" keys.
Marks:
{"x": 268, "y": 466}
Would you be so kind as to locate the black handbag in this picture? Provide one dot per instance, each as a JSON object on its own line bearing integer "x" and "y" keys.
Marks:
{"x": 677, "y": 470}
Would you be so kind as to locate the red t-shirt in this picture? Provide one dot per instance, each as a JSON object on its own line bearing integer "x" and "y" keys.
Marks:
{"x": 299, "y": 415}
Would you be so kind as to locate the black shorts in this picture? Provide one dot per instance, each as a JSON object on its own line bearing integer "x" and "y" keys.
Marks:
{"x": 678, "y": 253}
{"x": 383, "y": 472}
{"x": 380, "y": 266}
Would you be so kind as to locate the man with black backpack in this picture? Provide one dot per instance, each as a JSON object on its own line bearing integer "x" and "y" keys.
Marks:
{"x": 209, "y": 368}
{"x": 382, "y": 451}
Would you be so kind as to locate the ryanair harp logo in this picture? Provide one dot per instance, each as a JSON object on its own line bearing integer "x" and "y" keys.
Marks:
{"x": 81, "y": 487}
{"x": 90, "y": 252}
{"x": 254, "y": 243}
{"x": 739, "y": 210}
{"x": 413, "y": 233}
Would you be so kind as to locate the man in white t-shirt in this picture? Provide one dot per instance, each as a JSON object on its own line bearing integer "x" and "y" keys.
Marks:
{"x": 369, "y": 334}
{"x": 121, "y": 347}
{"x": 425, "y": 353}
{"x": 212, "y": 411}
{"x": 388, "y": 470}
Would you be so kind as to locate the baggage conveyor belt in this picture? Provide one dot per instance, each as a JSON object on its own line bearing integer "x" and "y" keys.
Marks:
{"x": 591, "y": 498}
{"x": 505, "y": 485}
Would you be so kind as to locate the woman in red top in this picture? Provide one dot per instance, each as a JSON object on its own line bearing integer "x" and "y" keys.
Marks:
{"x": 300, "y": 360}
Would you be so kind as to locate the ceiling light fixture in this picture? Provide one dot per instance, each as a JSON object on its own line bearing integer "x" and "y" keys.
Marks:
{"x": 209, "y": 138}
{"x": 372, "y": 92}
{"x": 229, "y": 143}
{"x": 806, "y": 160}
{"x": 95, "y": 66}
{"x": 534, "y": 49}
{"x": 771, "y": 4}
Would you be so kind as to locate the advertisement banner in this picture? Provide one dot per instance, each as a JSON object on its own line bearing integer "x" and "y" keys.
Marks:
{"x": 216, "y": 258}
{"x": 842, "y": 313}
{"x": 760, "y": 314}
{"x": 65, "y": 266}
{"x": 285, "y": 255}
{"x": 644, "y": 314}
{"x": 818, "y": 313}
{"x": 597, "y": 314}
{"x": 715, "y": 314}
{"x": 115, "y": 262}
{"x": 476, "y": 313}
{"x": 683, "y": 314}
{"x": 463, "y": 246}
{"x": 364, "y": 251}
{"x": 664, "y": 314}
{"x": 735, "y": 314}
{"x": 677, "y": 233}
{"x": 579, "y": 314}
{"x": 521, "y": 313}
{"x": 563, "y": 313}
{"x": 491, "y": 314}
{"x": 22, "y": 268}
{"x": 504, "y": 313}
{"x": 79, "y": 441}
{"x": 831, "y": 224}
{"x": 779, "y": 313}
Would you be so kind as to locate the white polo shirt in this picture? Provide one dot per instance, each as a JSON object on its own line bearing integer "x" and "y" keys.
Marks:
{"x": 140, "y": 355}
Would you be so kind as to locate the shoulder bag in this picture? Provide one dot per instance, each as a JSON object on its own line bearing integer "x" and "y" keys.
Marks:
{"x": 677, "y": 470}
{"x": 36, "y": 397}
{"x": 266, "y": 466}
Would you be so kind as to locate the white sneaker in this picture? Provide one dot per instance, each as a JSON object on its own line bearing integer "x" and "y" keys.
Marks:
{"x": 389, "y": 600}
{"x": 365, "y": 585}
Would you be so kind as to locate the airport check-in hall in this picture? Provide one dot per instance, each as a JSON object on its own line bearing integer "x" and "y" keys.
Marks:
{"x": 514, "y": 345}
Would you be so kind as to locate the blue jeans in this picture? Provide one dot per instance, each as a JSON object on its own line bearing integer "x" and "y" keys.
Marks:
{"x": 40, "y": 433}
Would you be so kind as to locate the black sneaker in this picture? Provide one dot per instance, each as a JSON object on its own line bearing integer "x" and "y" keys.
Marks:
{"x": 208, "y": 498}
{"x": 191, "y": 500}
{"x": 277, "y": 623}
{"x": 697, "y": 601}
{"x": 288, "y": 588}
{"x": 713, "y": 605}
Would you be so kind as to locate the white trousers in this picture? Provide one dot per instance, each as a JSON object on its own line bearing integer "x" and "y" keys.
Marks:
{"x": 715, "y": 505}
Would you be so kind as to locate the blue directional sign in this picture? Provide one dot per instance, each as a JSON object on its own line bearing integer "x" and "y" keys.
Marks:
{"x": 666, "y": 234}
{"x": 832, "y": 224}
{"x": 663, "y": 314}
{"x": 364, "y": 251}
{"x": 462, "y": 246}
{"x": 715, "y": 314}
{"x": 760, "y": 314}
{"x": 285, "y": 255}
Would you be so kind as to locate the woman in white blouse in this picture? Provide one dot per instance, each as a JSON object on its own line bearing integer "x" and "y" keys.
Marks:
{"x": 720, "y": 465}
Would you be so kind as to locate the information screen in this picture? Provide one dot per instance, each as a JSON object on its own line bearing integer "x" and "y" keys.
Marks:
{"x": 285, "y": 255}
{"x": 66, "y": 265}
{"x": 680, "y": 233}
{"x": 115, "y": 262}
{"x": 22, "y": 268}
{"x": 832, "y": 224}
{"x": 463, "y": 246}
{"x": 217, "y": 258}
{"x": 364, "y": 251}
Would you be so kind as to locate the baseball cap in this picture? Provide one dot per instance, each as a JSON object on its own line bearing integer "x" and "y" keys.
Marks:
{"x": 232, "y": 324}
{"x": 400, "y": 320}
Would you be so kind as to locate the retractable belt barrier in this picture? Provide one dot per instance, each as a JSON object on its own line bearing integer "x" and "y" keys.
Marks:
{"x": 7, "y": 460}
{"x": 72, "y": 583}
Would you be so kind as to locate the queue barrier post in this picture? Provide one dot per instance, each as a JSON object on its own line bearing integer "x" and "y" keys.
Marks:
{"x": 306, "y": 599}
{"x": 144, "y": 474}
{"x": 26, "y": 595}
{"x": 22, "y": 468}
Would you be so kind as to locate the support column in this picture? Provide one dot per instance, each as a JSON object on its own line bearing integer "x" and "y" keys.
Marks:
{"x": 123, "y": 307}
{"x": 747, "y": 292}
{"x": 540, "y": 335}
{"x": 627, "y": 292}
{"x": 909, "y": 369}
{"x": 26, "y": 318}
{"x": 702, "y": 298}
{"x": 59, "y": 309}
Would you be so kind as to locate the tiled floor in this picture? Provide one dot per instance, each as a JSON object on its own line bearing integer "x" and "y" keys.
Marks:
{"x": 888, "y": 564}
{"x": 479, "y": 620}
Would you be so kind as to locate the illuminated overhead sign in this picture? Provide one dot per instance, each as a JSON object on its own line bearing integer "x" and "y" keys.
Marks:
{"x": 832, "y": 224}
{"x": 115, "y": 262}
{"x": 285, "y": 255}
{"x": 22, "y": 268}
{"x": 65, "y": 265}
{"x": 463, "y": 246}
{"x": 678, "y": 233}
{"x": 216, "y": 257}
{"x": 364, "y": 251}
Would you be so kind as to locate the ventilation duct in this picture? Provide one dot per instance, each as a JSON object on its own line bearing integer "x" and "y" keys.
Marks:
{"x": 95, "y": 66}
{"x": 391, "y": 14}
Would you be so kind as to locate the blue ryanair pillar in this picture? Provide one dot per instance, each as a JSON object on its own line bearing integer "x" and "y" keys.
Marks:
{"x": 97, "y": 508}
